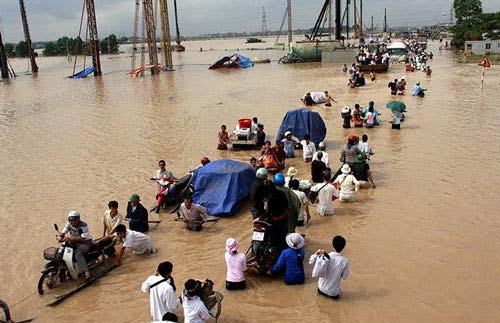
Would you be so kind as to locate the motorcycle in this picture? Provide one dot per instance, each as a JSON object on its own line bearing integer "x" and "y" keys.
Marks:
{"x": 62, "y": 265}
{"x": 173, "y": 194}
{"x": 262, "y": 252}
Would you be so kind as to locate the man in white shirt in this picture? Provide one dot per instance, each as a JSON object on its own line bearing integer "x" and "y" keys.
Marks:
{"x": 138, "y": 242}
{"x": 195, "y": 310}
{"x": 161, "y": 288}
{"x": 347, "y": 184}
{"x": 112, "y": 218}
{"x": 324, "y": 158}
{"x": 162, "y": 172}
{"x": 308, "y": 148}
{"x": 337, "y": 268}
{"x": 326, "y": 192}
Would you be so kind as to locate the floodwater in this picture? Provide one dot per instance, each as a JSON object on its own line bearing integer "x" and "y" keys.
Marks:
{"x": 423, "y": 246}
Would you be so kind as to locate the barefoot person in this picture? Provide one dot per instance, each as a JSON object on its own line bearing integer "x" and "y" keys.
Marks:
{"x": 138, "y": 242}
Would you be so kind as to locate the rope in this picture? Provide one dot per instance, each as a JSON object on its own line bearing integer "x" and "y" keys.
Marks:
{"x": 23, "y": 299}
{"x": 79, "y": 34}
{"x": 87, "y": 44}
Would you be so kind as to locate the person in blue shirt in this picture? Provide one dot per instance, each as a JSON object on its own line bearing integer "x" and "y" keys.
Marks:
{"x": 291, "y": 260}
{"x": 375, "y": 112}
{"x": 417, "y": 90}
{"x": 289, "y": 144}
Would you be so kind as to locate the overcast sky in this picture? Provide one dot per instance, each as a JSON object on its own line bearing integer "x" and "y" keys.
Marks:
{"x": 50, "y": 19}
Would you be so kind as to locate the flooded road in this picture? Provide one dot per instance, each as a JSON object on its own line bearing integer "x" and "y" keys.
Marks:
{"x": 423, "y": 246}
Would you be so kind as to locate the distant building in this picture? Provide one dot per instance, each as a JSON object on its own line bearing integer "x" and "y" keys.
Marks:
{"x": 482, "y": 46}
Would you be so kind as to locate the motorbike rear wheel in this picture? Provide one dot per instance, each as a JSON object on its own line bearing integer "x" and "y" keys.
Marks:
{"x": 47, "y": 280}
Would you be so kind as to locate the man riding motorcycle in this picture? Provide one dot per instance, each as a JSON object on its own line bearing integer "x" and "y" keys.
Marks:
{"x": 79, "y": 237}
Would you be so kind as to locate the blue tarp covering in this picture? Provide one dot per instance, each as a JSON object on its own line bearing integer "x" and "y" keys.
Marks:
{"x": 302, "y": 121}
{"x": 83, "y": 73}
{"x": 221, "y": 185}
{"x": 235, "y": 60}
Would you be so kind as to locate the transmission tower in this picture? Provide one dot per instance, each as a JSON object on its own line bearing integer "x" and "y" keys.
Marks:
{"x": 94, "y": 39}
{"x": 27, "y": 37}
{"x": 149, "y": 22}
{"x": 264, "y": 22}
{"x": 165, "y": 36}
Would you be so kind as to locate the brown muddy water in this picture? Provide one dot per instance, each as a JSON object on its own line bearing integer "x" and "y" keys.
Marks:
{"x": 423, "y": 246}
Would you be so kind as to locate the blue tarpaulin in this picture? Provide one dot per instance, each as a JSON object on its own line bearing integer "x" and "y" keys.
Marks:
{"x": 234, "y": 61}
{"x": 83, "y": 73}
{"x": 302, "y": 121}
{"x": 222, "y": 185}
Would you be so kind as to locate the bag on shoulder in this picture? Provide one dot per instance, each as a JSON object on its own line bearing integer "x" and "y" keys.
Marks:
{"x": 313, "y": 195}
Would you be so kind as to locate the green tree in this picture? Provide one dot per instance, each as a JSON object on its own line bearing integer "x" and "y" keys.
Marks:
{"x": 10, "y": 50}
{"x": 22, "y": 49}
{"x": 468, "y": 14}
{"x": 109, "y": 45}
{"x": 50, "y": 49}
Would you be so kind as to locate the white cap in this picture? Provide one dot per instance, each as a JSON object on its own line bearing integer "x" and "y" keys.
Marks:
{"x": 288, "y": 133}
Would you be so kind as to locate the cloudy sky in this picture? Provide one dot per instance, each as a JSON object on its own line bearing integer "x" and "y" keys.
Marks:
{"x": 50, "y": 19}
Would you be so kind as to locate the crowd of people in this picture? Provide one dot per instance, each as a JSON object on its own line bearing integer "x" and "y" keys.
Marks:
{"x": 283, "y": 201}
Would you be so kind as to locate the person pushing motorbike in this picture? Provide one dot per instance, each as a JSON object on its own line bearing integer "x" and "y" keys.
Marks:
{"x": 76, "y": 233}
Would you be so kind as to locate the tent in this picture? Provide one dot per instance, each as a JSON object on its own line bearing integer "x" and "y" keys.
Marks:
{"x": 303, "y": 121}
{"x": 233, "y": 61}
{"x": 222, "y": 185}
{"x": 83, "y": 73}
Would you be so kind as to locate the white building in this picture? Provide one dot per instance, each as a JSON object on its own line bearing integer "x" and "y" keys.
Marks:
{"x": 482, "y": 46}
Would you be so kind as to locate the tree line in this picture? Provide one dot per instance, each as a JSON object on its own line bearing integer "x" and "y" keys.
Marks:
{"x": 472, "y": 23}
{"x": 65, "y": 46}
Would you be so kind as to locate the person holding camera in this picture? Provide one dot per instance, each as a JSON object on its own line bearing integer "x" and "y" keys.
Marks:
{"x": 195, "y": 310}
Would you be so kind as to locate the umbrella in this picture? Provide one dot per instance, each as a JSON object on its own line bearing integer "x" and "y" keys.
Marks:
{"x": 396, "y": 105}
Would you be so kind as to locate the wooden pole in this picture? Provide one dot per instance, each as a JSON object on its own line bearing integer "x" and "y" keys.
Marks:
{"x": 149, "y": 22}
{"x": 361, "y": 18}
{"x": 348, "y": 2}
{"x": 372, "y": 27}
{"x": 27, "y": 37}
{"x": 290, "y": 33}
{"x": 94, "y": 38}
{"x": 3, "y": 60}
{"x": 482, "y": 77}
{"x": 166, "y": 42}
{"x": 338, "y": 27}
{"x": 330, "y": 24}
{"x": 355, "y": 19}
